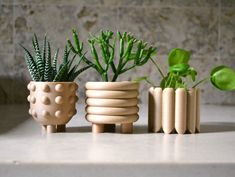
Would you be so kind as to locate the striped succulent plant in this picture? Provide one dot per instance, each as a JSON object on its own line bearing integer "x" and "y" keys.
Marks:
{"x": 43, "y": 67}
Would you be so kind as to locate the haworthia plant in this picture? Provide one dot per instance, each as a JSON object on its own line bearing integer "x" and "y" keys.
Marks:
{"x": 222, "y": 77}
{"x": 107, "y": 57}
{"x": 42, "y": 67}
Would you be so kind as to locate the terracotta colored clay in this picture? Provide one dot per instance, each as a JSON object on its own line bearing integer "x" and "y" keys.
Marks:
{"x": 198, "y": 110}
{"x": 176, "y": 109}
{"x": 127, "y": 128}
{"x": 97, "y": 128}
{"x": 191, "y": 110}
{"x": 155, "y": 110}
{"x": 52, "y": 104}
{"x": 168, "y": 110}
{"x": 107, "y": 119}
{"x": 180, "y": 110}
{"x": 115, "y": 111}
{"x": 111, "y": 94}
{"x": 125, "y": 85}
{"x": 110, "y": 103}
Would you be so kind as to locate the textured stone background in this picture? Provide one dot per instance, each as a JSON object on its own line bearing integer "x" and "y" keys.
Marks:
{"x": 205, "y": 27}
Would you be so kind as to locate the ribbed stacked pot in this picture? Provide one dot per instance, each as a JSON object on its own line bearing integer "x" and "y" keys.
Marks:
{"x": 52, "y": 104}
{"x": 111, "y": 103}
{"x": 174, "y": 110}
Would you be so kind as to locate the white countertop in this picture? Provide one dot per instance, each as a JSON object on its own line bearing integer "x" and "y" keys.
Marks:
{"x": 24, "y": 151}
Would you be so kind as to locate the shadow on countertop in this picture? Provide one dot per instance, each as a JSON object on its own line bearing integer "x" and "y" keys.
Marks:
{"x": 206, "y": 127}
{"x": 12, "y": 116}
{"x": 216, "y": 127}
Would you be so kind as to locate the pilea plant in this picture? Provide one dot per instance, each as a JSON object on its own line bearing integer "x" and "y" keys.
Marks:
{"x": 132, "y": 52}
{"x": 181, "y": 75}
{"x": 43, "y": 67}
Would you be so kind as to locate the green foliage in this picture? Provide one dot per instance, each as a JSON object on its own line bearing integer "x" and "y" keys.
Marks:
{"x": 42, "y": 67}
{"x": 178, "y": 56}
{"x": 180, "y": 73}
{"x": 179, "y": 70}
{"x": 104, "y": 50}
{"x": 223, "y": 78}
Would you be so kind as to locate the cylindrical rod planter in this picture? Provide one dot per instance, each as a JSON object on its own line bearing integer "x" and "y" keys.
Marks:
{"x": 174, "y": 110}
{"x": 110, "y": 103}
{"x": 52, "y": 104}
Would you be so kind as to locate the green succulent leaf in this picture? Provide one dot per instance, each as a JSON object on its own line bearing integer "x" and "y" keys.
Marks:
{"x": 132, "y": 53}
{"x": 32, "y": 67}
{"x": 223, "y": 78}
{"x": 39, "y": 60}
{"x": 44, "y": 49}
{"x": 61, "y": 73}
{"x": 54, "y": 63}
{"x": 48, "y": 69}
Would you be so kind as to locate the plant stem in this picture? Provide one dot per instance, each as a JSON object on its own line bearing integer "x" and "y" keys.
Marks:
{"x": 201, "y": 81}
{"x": 158, "y": 68}
{"x": 149, "y": 82}
{"x": 115, "y": 77}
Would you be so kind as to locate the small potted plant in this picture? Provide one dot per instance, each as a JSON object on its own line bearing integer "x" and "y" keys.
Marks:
{"x": 175, "y": 103}
{"x": 52, "y": 90}
{"x": 111, "y": 102}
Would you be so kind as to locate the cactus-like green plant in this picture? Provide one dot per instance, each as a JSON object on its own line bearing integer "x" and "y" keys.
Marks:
{"x": 131, "y": 53}
{"x": 43, "y": 67}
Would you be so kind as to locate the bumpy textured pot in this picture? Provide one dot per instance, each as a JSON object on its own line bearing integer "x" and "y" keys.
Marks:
{"x": 52, "y": 104}
{"x": 171, "y": 110}
{"x": 110, "y": 103}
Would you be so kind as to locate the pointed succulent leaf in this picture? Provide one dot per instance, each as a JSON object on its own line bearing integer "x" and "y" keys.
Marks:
{"x": 62, "y": 71}
{"x": 73, "y": 77}
{"x": 39, "y": 61}
{"x": 32, "y": 67}
{"x": 44, "y": 49}
{"x": 54, "y": 63}
{"x": 48, "y": 70}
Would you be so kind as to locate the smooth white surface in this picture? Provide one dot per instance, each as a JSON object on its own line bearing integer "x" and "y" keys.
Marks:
{"x": 23, "y": 149}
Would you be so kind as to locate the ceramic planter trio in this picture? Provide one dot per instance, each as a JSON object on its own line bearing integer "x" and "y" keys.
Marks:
{"x": 52, "y": 104}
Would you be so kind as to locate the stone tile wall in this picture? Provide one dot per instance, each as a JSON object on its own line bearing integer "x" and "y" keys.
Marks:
{"x": 205, "y": 27}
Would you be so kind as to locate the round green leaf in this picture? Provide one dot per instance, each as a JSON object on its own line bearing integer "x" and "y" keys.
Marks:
{"x": 177, "y": 56}
{"x": 223, "y": 78}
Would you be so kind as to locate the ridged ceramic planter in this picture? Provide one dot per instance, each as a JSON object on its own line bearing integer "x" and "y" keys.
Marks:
{"x": 110, "y": 103}
{"x": 174, "y": 110}
{"x": 52, "y": 104}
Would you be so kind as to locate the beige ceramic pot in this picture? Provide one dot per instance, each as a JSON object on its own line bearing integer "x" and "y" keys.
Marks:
{"x": 110, "y": 103}
{"x": 174, "y": 110}
{"x": 52, "y": 104}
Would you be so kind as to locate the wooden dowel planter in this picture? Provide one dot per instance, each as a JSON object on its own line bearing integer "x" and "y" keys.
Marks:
{"x": 174, "y": 110}
{"x": 52, "y": 104}
{"x": 111, "y": 103}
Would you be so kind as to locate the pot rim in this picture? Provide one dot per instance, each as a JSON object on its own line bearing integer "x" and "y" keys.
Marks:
{"x": 112, "y": 82}
{"x": 188, "y": 89}
{"x": 52, "y": 82}
{"x": 123, "y": 85}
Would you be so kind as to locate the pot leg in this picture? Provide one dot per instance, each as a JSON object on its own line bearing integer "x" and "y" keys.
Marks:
{"x": 127, "y": 128}
{"x": 109, "y": 127}
{"x": 97, "y": 128}
{"x": 61, "y": 128}
{"x": 51, "y": 129}
{"x": 44, "y": 129}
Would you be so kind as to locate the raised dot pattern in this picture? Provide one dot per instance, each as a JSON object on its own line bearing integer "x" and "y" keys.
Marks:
{"x": 52, "y": 103}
